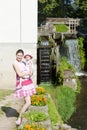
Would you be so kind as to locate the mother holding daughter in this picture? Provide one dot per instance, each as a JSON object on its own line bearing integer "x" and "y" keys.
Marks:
{"x": 24, "y": 85}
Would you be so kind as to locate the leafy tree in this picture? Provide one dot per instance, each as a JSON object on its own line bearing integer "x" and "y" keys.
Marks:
{"x": 49, "y": 8}
{"x": 61, "y": 8}
{"x": 82, "y": 8}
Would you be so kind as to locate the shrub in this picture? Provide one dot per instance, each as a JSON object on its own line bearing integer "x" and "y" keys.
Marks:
{"x": 63, "y": 65}
{"x": 81, "y": 52}
{"x": 36, "y": 116}
{"x": 66, "y": 99}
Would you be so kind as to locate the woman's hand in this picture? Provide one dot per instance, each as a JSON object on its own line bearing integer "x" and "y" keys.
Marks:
{"x": 20, "y": 74}
{"x": 30, "y": 73}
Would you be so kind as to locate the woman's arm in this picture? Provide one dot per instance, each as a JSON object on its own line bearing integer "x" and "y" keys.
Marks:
{"x": 20, "y": 74}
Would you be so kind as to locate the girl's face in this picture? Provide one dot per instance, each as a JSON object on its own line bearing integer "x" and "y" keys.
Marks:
{"x": 19, "y": 56}
{"x": 27, "y": 58}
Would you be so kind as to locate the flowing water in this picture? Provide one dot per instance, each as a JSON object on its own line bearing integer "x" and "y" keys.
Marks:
{"x": 71, "y": 51}
{"x": 79, "y": 118}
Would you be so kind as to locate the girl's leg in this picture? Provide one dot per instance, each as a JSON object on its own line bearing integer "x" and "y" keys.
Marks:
{"x": 26, "y": 105}
{"x": 24, "y": 108}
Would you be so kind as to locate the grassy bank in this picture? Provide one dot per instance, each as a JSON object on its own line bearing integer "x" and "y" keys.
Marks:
{"x": 4, "y": 93}
{"x": 64, "y": 99}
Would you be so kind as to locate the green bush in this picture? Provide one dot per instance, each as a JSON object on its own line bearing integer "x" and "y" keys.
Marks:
{"x": 66, "y": 98}
{"x": 81, "y": 52}
{"x": 63, "y": 65}
{"x": 35, "y": 116}
{"x": 78, "y": 85}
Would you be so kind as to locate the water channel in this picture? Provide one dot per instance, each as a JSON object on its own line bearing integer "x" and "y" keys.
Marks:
{"x": 79, "y": 118}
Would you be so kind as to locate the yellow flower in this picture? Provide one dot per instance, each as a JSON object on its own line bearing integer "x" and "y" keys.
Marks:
{"x": 37, "y": 128}
{"x": 43, "y": 128}
{"x": 31, "y": 129}
{"x": 38, "y": 100}
{"x": 40, "y": 90}
{"x": 28, "y": 126}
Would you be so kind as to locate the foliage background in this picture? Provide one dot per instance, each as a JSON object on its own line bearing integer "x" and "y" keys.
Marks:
{"x": 61, "y": 8}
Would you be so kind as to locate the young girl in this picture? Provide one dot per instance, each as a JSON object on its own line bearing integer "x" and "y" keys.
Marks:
{"x": 28, "y": 62}
{"x": 24, "y": 85}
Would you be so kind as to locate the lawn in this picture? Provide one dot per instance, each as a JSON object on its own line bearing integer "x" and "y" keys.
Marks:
{"x": 4, "y": 93}
{"x": 61, "y": 28}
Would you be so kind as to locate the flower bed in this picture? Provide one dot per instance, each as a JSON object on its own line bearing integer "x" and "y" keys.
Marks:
{"x": 32, "y": 127}
{"x": 38, "y": 100}
{"x": 40, "y": 90}
{"x": 35, "y": 116}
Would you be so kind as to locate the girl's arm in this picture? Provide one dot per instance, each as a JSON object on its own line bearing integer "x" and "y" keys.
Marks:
{"x": 31, "y": 67}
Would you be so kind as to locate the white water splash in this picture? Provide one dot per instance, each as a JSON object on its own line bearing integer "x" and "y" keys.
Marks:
{"x": 81, "y": 74}
{"x": 73, "y": 53}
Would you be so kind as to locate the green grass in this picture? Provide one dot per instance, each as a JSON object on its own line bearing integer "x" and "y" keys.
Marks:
{"x": 53, "y": 113}
{"x": 63, "y": 99}
{"x": 1, "y": 112}
{"x": 66, "y": 99}
{"x": 48, "y": 87}
{"x": 4, "y": 93}
{"x": 61, "y": 28}
{"x": 15, "y": 129}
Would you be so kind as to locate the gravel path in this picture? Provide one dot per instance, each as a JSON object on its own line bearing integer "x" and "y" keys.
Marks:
{"x": 10, "y": 107}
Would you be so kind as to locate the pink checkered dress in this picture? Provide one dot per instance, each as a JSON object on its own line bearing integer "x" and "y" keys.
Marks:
{"x": 25, "y": 86}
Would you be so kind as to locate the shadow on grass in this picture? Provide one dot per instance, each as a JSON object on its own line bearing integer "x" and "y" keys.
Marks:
{"x": 10, "y": 112}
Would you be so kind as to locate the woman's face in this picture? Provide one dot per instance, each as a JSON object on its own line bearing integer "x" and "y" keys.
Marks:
{"x": 19, "y": 56}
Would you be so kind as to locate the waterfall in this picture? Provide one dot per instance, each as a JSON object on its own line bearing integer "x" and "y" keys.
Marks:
{"x": 70, "y": 50}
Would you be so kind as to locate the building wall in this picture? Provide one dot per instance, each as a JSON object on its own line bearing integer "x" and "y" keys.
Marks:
{"x": 18, "y": 29}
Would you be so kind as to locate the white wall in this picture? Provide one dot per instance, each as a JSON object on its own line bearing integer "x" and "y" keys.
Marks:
{"x": 18, "y": 29}
{"x": 9, "y": 21}
{"x": 18, "y": 21}
{"x": 29, "y": 20}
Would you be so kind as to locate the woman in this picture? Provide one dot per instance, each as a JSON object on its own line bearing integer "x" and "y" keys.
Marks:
{"x": 24, "y": 85}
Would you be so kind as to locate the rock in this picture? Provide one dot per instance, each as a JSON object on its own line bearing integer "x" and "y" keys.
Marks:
{"x": 74, "y": 129}
{"x": 65, "y": 127}
{"x": 69, "y": 79}
{"x": 56, "y": 127}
